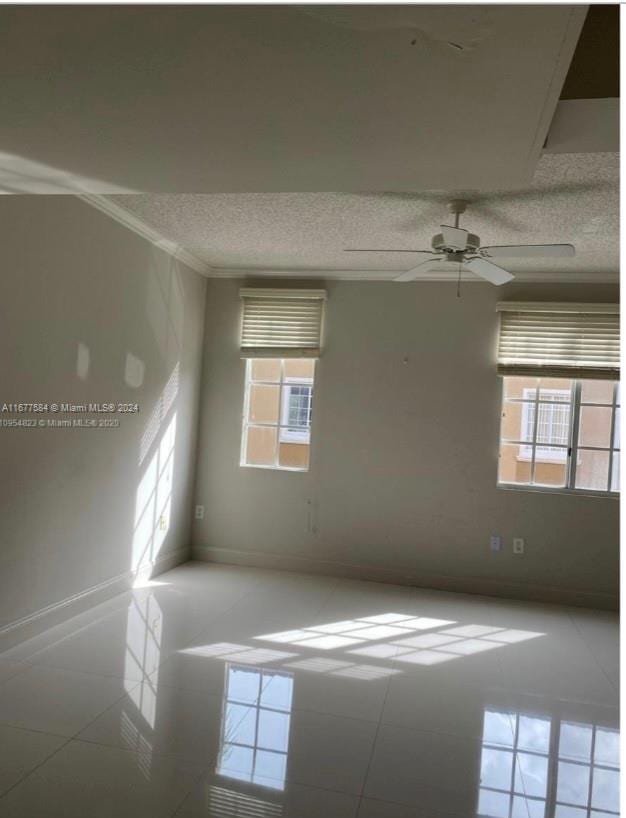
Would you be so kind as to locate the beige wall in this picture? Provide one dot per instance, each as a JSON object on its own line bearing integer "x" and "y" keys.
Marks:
{"x": 92, "y": 313}
{"x": 404, "y": 452}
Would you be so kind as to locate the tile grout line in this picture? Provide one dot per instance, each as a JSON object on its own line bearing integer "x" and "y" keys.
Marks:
{"x": 36, "y": 767}
{"x": 592, "y": 654}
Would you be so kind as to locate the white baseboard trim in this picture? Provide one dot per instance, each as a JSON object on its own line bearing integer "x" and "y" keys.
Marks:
{"x": 463, "y": 585}
{"x": 39, "y": 621}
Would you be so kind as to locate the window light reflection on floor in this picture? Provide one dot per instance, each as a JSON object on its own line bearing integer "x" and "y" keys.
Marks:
{"x": 533, "y": 766}
{"x": 238, "y": 653}
{"x": 405, "y": 642}
{"x": 225, "y": 803}
{"x": 254, "y": 740}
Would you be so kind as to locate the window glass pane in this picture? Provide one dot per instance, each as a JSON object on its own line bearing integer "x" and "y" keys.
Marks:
{"x": 263, "y": 403}
{"x": 243, "y": 685}
{"x": 236, "y": 762}
{"x": 597, "y": 392}
{"x": 534, "y": 734}
{"x": 261, "y": 445}
{"x": 514, "y": 387}
{"x": 605, "y": 793}
{"x": 240, "y": 724}
{"x": 555, "y": 389}
{"x": 592, "y": 470}
{"x": 606, "y": 750}
{"x": 563, "y": 811}
{"x": 616, "y": 432}
{"x": 553, "y": 423}
{"x": 618, "y": 399}
{"x": 595, "y": 426}
{"x": 299, "y": 368}
{"x": 270, "y": 769}
{"x": 528, "y": 808}
{"x": 514, "y": 464}
{"x": 493, "y": 804}
{"x": 297, "y": 408}
{"x": 495, "y": 768}
{"x": 572, "y": 783}
{"x": 517, "y": 421}
{"x": 499, "y": 728}
{"x": 273, "y": 730}
{"x": 549, "y": 471}
{"x": 575, "y": 741}
{"x": 615, "y": 472}
{"x": 531, "y": 774}
{"x": 293, "y": 455}
{"x": 277, "y": 691}
{"x": 265, "y": 369}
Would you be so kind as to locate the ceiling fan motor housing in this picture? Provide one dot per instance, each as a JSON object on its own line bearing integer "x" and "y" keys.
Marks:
{"x": 439, "y": 245}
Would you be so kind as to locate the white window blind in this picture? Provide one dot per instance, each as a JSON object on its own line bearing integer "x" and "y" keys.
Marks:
{"x": 280, "y": 323}
{"x": 559, "y": 340}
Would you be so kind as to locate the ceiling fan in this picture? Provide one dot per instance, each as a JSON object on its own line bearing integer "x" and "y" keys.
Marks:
{"x": 463, "y": 251}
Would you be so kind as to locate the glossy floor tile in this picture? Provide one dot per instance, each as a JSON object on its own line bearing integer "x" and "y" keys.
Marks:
{"x": 222, "y": 692}
{"x": 21, "y": 751}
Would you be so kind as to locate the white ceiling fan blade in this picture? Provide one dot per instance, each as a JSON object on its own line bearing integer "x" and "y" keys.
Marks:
{"x": 490, "y": 272}
{"x": 414, "y": 272}
{"x": 383, "y": 250}
{"x": 531, "y": 251}
{"x": 454, "y": 237}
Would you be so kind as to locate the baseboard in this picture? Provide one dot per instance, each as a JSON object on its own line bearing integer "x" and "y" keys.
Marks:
{"x": 39, "y": 621}
{"x": 464, "y": 585}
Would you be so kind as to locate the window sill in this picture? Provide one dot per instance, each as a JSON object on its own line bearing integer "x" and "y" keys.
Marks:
{"x": 559, "y": 490}
{"x": 272, "y": 468}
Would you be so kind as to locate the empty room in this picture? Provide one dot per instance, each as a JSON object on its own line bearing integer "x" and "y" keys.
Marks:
{"x": 309, "y": 411}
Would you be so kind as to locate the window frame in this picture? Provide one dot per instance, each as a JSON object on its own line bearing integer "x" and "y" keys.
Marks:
{"x": 572, "y": 450}
{"x": 280, "y": 426}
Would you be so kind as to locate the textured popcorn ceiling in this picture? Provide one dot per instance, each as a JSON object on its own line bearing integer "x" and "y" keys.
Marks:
{"x": 573, "y": 199}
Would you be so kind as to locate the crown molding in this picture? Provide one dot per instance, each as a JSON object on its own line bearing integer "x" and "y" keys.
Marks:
{"x": 129, "y": 220}
{"x": 574, "y": 277}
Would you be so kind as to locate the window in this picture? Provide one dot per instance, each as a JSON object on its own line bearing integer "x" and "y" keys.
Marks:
{"x": 278, "y": 408}
{"x": 560, "y": 433}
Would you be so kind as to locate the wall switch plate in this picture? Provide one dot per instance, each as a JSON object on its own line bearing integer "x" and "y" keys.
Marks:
{"x": 518, "y": 545}
{"x": 495, "y": 543}
{"x": 199, "y": 512}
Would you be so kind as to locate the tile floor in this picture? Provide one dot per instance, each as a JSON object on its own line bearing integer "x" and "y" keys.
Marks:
{"x": 222, "y": 692}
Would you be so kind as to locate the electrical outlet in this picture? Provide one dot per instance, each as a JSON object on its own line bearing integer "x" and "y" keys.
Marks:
{"x": 495, "y": 543}
{"x": 518, "y": 545}
{"x": 199, "y": 512}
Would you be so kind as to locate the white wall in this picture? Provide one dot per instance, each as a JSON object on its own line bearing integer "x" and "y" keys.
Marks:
{"x": 74, "y": 279}
{"x": 402, "y": 484}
